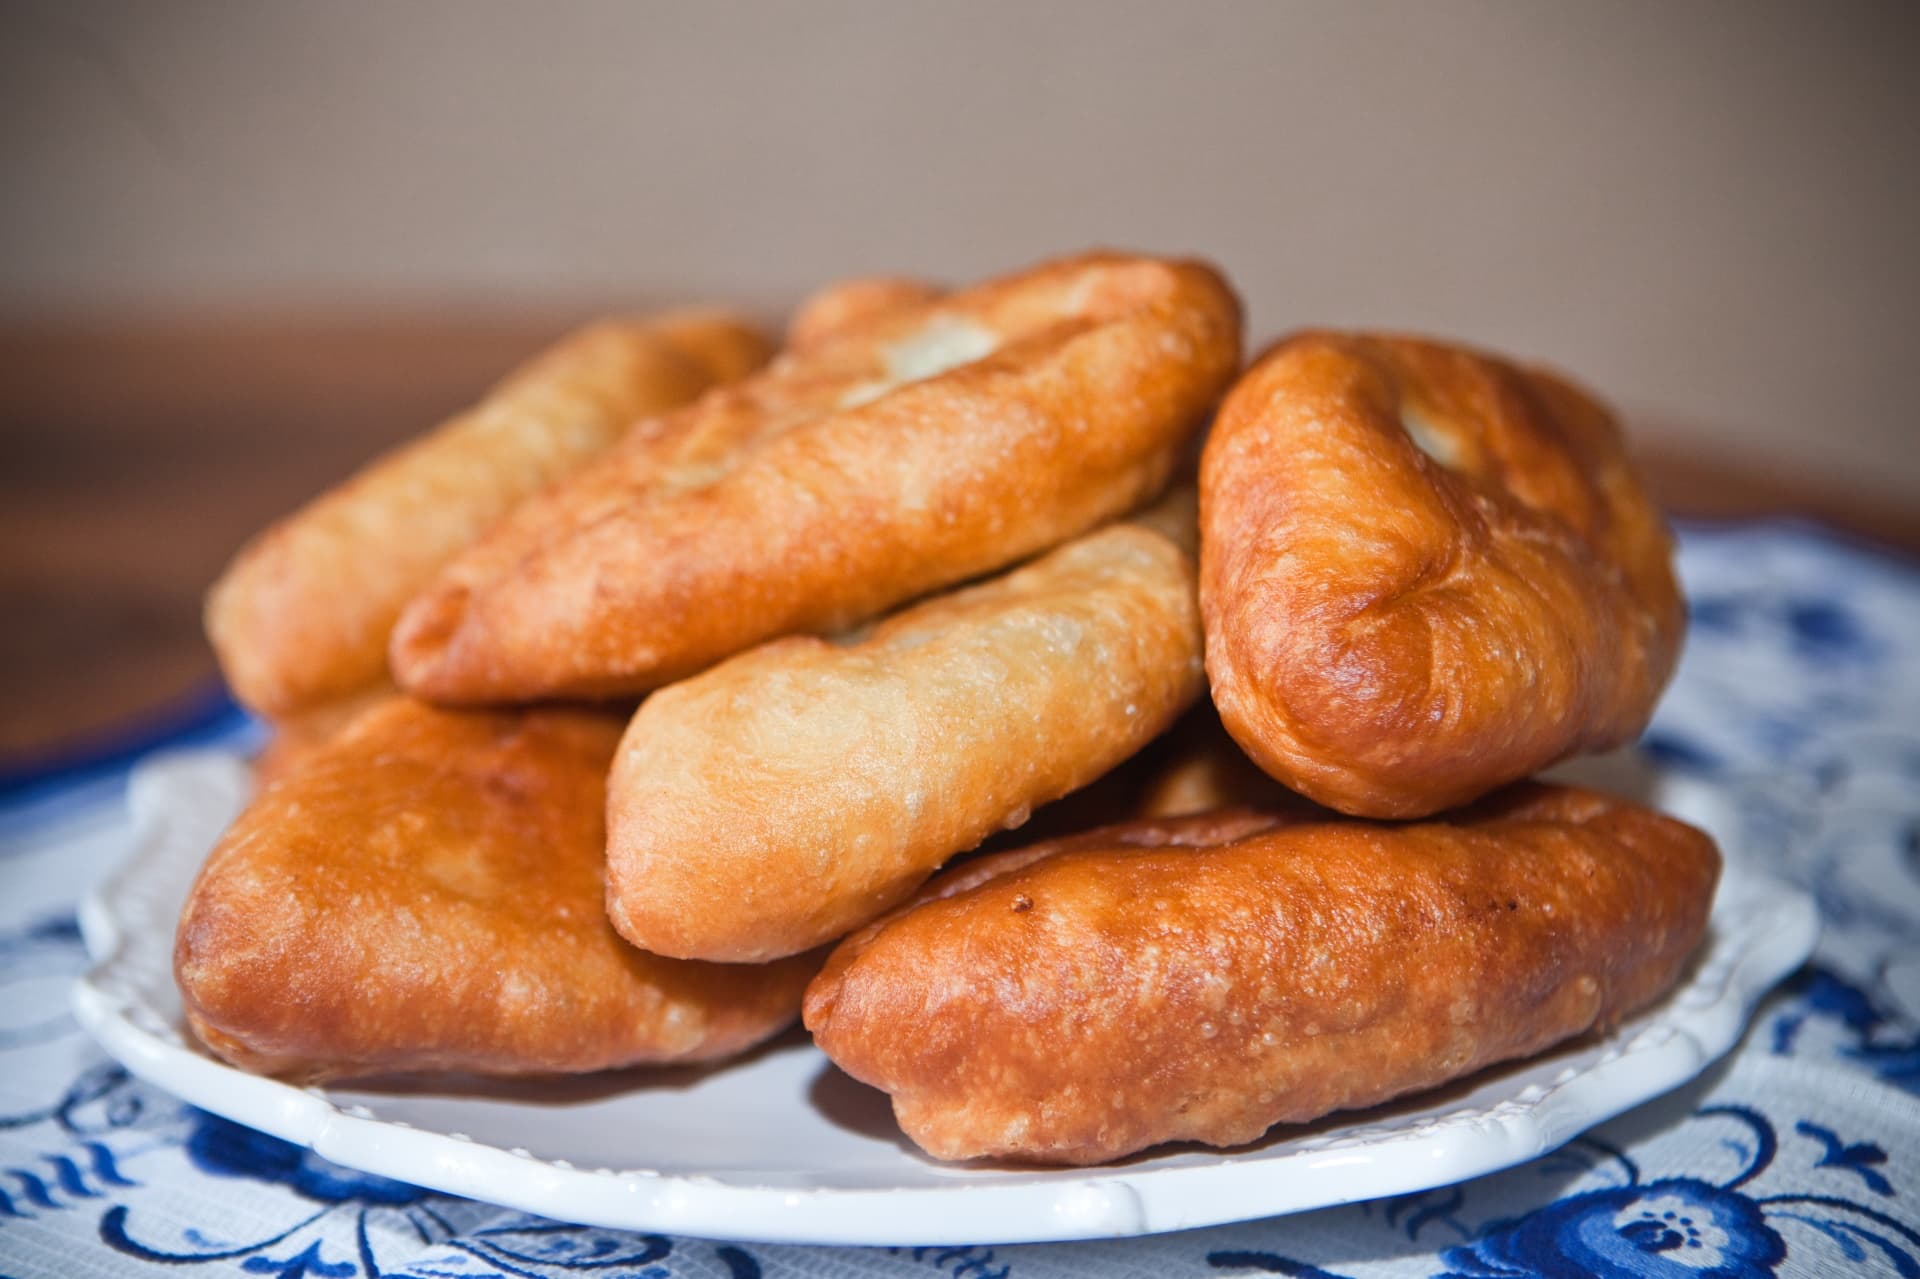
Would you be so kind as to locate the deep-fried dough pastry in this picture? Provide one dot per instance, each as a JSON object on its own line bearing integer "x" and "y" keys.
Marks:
{"x": 301, "y": 616}
{"x": 1425, "y": 573}
{"x": 797, "y": 790}
{"x": 1205, "y": 978}
{"x": 426, "y": 893}
{"x": 839, "y": 308}
{"x": 921, "y": 449}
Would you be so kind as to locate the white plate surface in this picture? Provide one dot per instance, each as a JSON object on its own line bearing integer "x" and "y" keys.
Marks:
{"x": 784, "y": 1148}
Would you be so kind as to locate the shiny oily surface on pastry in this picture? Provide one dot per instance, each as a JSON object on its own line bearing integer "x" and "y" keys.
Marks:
{"x": 912, "y": 450}
{"x": 1425, "y": 573}
{"x": 426, "y": 893}
{"x": 795, "y": 791}
{"x": 303, "y": 614}
{"x": 1207, "y": 977}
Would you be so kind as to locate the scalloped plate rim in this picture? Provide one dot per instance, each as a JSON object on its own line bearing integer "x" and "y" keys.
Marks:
{"x": 1646, "y": 1057}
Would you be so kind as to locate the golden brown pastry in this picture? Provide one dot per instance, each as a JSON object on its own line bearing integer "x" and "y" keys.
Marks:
{"x": 840, "y": 308}
{"x": 1425, "y": 573}
{"x": 301, "y": 616}
{"x": 1204, "y": 978}
{"x": 923, "y": 448}
{"x": 426, "y": 894}
{"x": 793, "y": 792}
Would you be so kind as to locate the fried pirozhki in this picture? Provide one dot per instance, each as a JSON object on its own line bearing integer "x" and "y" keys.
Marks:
{"x": 426, "y": 893}
{"x": 1425, "y": 573}
{"x": 927, "y": 447}
{"x": 797, "y": 790}
{"x": 302, "y": 615}
{"x": 1204, "y": 978}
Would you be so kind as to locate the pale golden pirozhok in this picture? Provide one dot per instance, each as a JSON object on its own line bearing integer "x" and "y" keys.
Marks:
{"x": 872, "y": 760}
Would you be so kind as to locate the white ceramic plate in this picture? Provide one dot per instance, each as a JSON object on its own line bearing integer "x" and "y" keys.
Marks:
{"x": 784, "y": 1148}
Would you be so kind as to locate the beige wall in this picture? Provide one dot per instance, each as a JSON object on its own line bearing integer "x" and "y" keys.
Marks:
{"x": 1707, "y": 209}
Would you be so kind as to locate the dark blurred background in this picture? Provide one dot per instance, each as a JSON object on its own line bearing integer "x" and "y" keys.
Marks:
{"x": 243, "y": 245}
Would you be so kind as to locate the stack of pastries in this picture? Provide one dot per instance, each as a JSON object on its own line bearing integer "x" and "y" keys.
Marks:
{"x": 632, "y": 713}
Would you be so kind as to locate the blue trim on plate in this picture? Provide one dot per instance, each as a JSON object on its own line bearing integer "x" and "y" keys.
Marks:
{"x": 94, "y": 770}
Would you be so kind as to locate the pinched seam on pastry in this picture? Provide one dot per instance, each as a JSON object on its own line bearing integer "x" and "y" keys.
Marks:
{"x": 1425, "y": 573}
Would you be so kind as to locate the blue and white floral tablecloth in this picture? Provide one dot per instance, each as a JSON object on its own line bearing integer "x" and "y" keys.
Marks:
{"x": 1800, "y": 1154}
